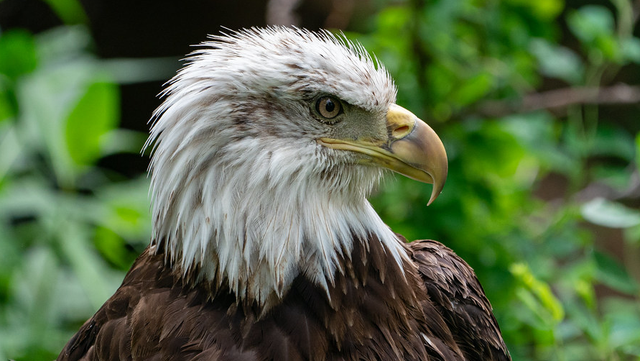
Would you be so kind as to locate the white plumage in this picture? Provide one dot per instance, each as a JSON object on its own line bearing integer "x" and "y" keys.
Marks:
{"x": 235, "y": 141}
{"x": 264, "y": 245}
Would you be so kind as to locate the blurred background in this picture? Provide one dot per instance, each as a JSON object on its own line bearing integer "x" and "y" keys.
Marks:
{"x": 537, "y": 102}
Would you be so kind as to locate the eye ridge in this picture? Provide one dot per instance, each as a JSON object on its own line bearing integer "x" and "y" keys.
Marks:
{"x": 328, "y": 107}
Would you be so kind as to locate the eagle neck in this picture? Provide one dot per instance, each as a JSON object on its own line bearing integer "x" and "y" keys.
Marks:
{"x": 253, "y": 224}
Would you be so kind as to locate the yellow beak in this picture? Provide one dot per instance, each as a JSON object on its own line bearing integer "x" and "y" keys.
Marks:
{"x": 412, "y": 149}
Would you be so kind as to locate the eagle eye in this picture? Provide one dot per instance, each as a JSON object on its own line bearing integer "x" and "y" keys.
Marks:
{"x": 328, "y": 107}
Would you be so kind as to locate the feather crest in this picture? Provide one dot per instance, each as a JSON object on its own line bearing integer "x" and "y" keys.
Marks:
{"x": 257, "y": 205}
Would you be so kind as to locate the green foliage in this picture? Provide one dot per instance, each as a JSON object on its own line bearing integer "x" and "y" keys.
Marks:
{"x": 94, "y": 115}
{"x": 17, "y": 54}
{"x": 540, "y": 203}
{"x": 556, "y": 61}
{"x": 526, "y": 190}
{"x": 69, "y": 11}
{"x": 66, "y": 226}
{"x": 610, "y": 214}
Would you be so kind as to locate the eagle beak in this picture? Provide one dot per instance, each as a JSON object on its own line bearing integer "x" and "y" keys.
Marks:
{"x": 412, "y": 149}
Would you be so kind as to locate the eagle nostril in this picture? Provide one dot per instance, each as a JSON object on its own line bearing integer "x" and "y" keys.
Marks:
{"x": 401, "y": 131}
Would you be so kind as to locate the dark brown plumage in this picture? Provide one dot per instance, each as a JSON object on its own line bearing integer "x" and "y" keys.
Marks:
{"x": 155, "y": 315}
{"x": 264, "y": 245}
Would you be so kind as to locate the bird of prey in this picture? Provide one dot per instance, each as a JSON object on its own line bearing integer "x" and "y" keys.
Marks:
{"x": 264, "y": 245}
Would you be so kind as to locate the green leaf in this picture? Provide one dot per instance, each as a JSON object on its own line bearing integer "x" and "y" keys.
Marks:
{"x": 557, "y": 61}
{"x": 93, "y": 117}
{"x": 34, "y": 286}
{"x": 590, "y": 22}
{"x": 536, "y": 132}
{"x": 10, "y": 148}
{"x": 609, "y": 214}
{"x": 594, "y": 26}
{"x": 126, "y": 209}
{"x": 631, "y": 49}
{"x": 544, "y": 9}
{"x": 492, "y": 151}
{"x": 6, "y": 107}
{"x": 17, "y": 53}
{"x": 98, "y": 280}
{"x": 586, "y": 292}
{"x": 111, "y": 247}
{"x": 547, "y": 9}
{"x": 46, "y": 98}
{"x": 632, "y": 235}
{"x": 474, "y": 89}
{"x": 63, "y": 45}
{"x": 610, "y": 141}
{"x": 545, "y": 302}
{"x": 625, "y": 321}
{"x": 586, "y": 320}
{"x": 393, "y": 18}
{"x": 70, "y": 11}
{"x": 611, "y": 273}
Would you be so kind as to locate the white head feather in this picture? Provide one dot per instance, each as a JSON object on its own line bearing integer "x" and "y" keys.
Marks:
{"x": 240, "y": 187}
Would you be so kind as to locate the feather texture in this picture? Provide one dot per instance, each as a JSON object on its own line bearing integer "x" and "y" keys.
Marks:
{"x": 264, "y": 245}
{"x": 239, "y": 183}
{"x": 155, "y": 315}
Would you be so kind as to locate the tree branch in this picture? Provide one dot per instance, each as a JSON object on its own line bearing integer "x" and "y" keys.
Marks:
{"x": 560, "y": 99}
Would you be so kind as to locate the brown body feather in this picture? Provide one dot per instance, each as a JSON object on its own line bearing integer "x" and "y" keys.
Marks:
{"x": 265, "y": 247}
{"x": 432, "y": 310}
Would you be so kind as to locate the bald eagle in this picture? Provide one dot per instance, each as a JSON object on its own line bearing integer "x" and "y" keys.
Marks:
{"x": 264, "y": 245}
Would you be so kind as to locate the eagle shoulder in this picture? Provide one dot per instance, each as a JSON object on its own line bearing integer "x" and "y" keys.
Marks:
{"x": 456, "y": 294}
{"x": 136, "y": 323}
{"x": 156, "y": 315}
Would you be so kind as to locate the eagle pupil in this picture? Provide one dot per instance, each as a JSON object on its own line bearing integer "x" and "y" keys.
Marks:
{"x": 328, "y": 107}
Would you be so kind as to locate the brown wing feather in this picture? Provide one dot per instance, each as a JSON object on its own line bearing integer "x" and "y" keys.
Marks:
{"x": 372, "y": 313}
{"x": 455, "y": 292}
{"x": 153, "y": 316}
{"x": 375, "y": 311}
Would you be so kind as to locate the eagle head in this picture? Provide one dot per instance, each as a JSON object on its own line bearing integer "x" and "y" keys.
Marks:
{"x": 265, "y": 149}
